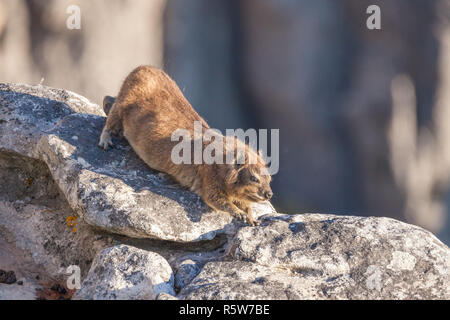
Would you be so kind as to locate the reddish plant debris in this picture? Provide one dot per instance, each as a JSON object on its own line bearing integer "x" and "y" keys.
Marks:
{"x": 54, "y": 291}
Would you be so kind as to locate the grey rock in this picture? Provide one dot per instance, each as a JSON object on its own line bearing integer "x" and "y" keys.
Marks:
{"x": 38, "y": 245}
{"x": 38, "y": 241}
{"x": 317, "y": 256}
{"x": 125, "y": 272}
{"x": 27, "y": 111}
{"x": 35, "y": 239}
{"x": 166, "y": 296}
{"x": 27, "y": 291}
{"x": 239, "y": 280}
{"x": 186, "y": 271}
{"x": 111, "y": 190}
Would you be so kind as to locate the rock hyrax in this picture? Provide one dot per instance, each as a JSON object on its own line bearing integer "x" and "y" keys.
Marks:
{"x": 148, "y": 109}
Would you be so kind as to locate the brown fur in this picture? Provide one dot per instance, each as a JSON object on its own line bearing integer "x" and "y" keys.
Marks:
{"x": 148, "y": 109}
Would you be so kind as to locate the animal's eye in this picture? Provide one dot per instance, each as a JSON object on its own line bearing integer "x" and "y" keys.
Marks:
{"x": 254, "y": 179}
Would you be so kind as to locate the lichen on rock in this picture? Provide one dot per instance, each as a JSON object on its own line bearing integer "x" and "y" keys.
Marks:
{"x": 124, "y": 272}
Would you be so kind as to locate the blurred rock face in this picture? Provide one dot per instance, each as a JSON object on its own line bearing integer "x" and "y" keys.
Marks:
{"x": 352, "y": 139}
{"x": 294, "y": 60}
{"x": 324, "y": 78}
{"x": 314, "y": 70}
{"x": 200, "y": 54}
{"x": 115, "y": 37}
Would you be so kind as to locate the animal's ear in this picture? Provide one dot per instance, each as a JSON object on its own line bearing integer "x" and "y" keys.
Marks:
{"x": 239, "y": 161}
{"x": 232, "y": 175}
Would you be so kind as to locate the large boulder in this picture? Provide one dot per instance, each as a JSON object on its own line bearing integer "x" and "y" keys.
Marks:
{"x": 316, "y": 256}
{"x": 186, "y": 271}
{"x": 28, "y": 111}
{"x": 124, "y": 272}
{"x": 112, "y": 190}
{"x": 37, "y": 241}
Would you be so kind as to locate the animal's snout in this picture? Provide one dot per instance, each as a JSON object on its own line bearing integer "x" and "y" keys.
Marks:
{"x": 268, "y": 194}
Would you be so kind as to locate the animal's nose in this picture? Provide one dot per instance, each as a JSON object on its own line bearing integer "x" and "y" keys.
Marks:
{"x": 268, "y": 194}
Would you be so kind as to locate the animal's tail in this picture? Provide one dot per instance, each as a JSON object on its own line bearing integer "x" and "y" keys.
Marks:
{"x": 108, "y": 102}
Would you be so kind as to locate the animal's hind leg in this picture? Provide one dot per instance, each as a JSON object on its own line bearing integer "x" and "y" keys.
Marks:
{"x": 108, "y": 102}
{"x": 113, "y": 126}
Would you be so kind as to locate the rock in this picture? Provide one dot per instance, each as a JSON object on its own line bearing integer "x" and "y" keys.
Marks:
{"x": 27, "y": 111}
{"x": 35, "y": 241}
{"x": 116, "y": 191}
{"x": 113, "y": 190}
{"x": 7, "y": 277}
{"x": 36, "y": 44}
{"x": 239, "y": 280}
{"x": 26, "y": 291}
{"x": 317, "y": 256}
{"x": 34, "y": 235}
{"x": 166, "y": 296}
{"x": 186, "y": 271}
{"x": 125, "y": 272}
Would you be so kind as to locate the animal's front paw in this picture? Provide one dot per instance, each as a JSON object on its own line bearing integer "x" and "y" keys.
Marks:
{"x": 105, "y": 140}
{"x": 246, "y": 218}
{"x": 240, "y": 215}
{"x": 252, "y": 222}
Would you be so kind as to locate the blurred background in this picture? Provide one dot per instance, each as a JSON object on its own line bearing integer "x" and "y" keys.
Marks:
{"x": 363, "y": 114}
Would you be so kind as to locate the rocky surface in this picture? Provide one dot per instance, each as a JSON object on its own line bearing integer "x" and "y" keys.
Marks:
{"x": 316, "y": 256}
{"x": 124, "y": 272}
{"x": 166, "y": 296}
{"x": 27, "y": 111}
{"x": 16, "y": 292}
{"x": 186, "y": 271}
{"x": 35, "y": 239}
{"x": 135, "y": 234}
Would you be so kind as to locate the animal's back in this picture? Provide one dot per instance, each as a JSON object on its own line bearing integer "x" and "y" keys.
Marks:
{"x": 149, "y": 93}
{"x": 151, "y": 108}
{"x": 148, "y": 109}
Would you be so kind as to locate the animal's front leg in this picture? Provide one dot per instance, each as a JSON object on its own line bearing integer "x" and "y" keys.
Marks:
{"x": 246, "y": 207}
{"x": 220, "y": 203}
{"x": 105, "y": 139}
{"x": 113, "y": 126}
